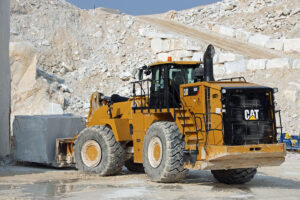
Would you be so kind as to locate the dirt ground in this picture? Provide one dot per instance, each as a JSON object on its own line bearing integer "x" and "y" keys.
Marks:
{"x": 28, "y": 182}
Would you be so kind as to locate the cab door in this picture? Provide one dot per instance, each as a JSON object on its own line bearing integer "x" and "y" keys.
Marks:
{"x": 157, "y": 90}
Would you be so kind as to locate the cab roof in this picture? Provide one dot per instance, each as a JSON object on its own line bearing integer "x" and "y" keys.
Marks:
{"x": 176, "y": 62}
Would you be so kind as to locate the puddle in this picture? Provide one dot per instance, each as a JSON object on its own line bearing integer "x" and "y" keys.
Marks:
{"x": 7, "y": 187}
{"x": 43, "y": 190}
{"x": 125, "y": 193}
{"x": 230, "y": 188}
{"x": 170, "y": 187}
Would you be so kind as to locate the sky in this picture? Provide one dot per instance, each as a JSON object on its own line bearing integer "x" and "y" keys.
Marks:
{"x": 141, "y": 7}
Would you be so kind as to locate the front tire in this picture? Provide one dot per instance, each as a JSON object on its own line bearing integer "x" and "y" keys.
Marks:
{"x": 97, "y": 151}
{"x": 234, "y": 176}
{"x": 163, "y": 153}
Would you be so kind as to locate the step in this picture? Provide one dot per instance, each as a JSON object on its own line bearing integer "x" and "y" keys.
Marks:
{"x": 187, "y": 124}
{"x": 194, "y": 137}
{"x": 190, "y": 131}
{"x": 184, "y": 116}
{"x": 193, "y": 140}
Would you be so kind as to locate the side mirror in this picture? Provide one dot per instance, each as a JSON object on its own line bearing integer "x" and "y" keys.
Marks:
{"x": 140, "y": 74}
{"x": 147, "y": 72}
{"x": 144, "y": 70}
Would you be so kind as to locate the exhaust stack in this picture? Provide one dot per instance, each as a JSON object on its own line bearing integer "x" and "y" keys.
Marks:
{"x": 208, "y": 63}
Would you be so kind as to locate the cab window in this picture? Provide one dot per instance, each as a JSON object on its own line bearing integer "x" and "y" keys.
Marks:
{"x": 181, "y": 75}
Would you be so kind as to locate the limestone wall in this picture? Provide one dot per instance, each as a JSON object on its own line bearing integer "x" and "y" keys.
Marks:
{"x": 4, "y": 78}
{"x": 282, "y": 44}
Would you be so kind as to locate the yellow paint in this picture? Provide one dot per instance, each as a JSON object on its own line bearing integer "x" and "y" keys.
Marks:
{"x": 177, "y": 62}
{"x": 252, "y": 118}
{"x": 156, "y": 152}
{"x": 246, "y": 156}
{"x": 92, "y": 152}
{"x": 287, "y": 136}
{"x": 210, "y": 141}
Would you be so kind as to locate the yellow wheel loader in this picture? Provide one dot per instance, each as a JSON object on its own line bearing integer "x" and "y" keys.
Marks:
{"x": 179, "y": 118}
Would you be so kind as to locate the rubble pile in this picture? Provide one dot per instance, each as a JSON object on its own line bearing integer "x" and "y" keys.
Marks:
{"x": 276, "y": 19}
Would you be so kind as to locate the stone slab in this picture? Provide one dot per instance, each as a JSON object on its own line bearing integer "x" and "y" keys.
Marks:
{"x": 237, "y": 66}
{"x": 242, "y": 35}
{"x": 278, "y": 63}
{"x": 35, "y": 136}
{"x": 276, "y": 44}
{"x": 156, "y": 45}
{"x": 256, "y": 64}
{"x": 224, "y": 30}
{"x": 197, "y": 56}
{"x": 219, "y": 69}
{"x": 228, "y": 57}
{"x": 259, "y": 39}
{"x": 160, "y": 45}
{"x": 296, "y": 64}
{"x": 162, "y": 57}
{"x": 292, "y": 45}
{"x": 178, "y": 44}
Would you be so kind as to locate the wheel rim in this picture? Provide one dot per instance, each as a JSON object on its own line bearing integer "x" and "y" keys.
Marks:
{"x": 155, "y": 152}
{"x": 91, "y": 153}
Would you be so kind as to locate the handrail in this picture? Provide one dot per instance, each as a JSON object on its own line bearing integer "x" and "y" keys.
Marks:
{"x": 205, "y": 122}
{"x": 280, "y": 123}
{"x": 142, "y": 93}
{"x": 231, "y": 79}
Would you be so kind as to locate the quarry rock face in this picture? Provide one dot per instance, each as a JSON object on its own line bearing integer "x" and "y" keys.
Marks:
{"x": 292, "y": 93}
{"x": 30, "y": 94}
{"x": 23, "y": 66}
{"x": 61, "y": 54}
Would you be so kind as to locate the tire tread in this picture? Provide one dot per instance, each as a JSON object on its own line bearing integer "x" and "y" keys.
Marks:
{"x": 234, "y": 176}
{"x": 116, "y": 153}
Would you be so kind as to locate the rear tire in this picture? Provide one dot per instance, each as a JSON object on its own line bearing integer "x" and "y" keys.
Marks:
{"x": 163, "y": 153}
{"x": 97, "y": 151}
{"x": 234, "y": 176}
{"x": 134, "y": 167}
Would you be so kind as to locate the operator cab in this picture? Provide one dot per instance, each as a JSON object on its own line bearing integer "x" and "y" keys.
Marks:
{"x": 166, "y": 78}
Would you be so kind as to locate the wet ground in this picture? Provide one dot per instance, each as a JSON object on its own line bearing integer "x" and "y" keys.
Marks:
{"x": 28, "y": 182}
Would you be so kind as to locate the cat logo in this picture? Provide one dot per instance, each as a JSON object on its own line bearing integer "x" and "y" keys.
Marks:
{"x": 185, "y": 91}
{"x": 251, "y": 114}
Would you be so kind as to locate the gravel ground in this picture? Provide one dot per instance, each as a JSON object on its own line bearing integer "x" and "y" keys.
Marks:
{"x": 36, "y": 182}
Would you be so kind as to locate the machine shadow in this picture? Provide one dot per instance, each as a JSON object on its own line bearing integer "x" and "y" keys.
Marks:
{"x": 261, "y": 180}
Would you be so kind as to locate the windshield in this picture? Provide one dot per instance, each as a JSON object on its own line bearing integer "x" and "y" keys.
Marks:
{"x": 182, "y": 75}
